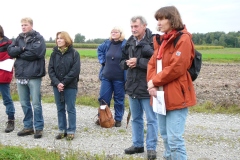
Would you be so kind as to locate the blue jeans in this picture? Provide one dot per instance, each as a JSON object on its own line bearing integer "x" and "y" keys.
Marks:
{"x": 68, "y": 105}
{"x": 26, "y": 92}
{"x": 113, "y": 88}
{"x": 137, "y": 106}
{"x": 7, "y": 100}
{"x": 171, "y": 128}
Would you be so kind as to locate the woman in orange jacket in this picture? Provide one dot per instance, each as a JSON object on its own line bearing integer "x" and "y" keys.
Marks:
{"x": 168, "y": 71}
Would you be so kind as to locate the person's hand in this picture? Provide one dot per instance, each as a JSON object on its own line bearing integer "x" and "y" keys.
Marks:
{"x": 150, "y": 84}
{"x": 60, "y": 87}
{"x": 153, "y": 91}
{"x": 132, "y": 62}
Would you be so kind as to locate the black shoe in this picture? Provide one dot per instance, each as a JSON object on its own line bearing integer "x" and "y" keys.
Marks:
{"x": 70, "y": 137}
{"x": 38, "y": 134}
{"x": 118, "y": 124}
{"x": 10, "y": 126}
{"x": 61, "y": 135}
{"x": 25, "y": 132}
{"x": 132, "y": 150}
{"x": 97, "y": 122}
{"x": 151, "y": 154}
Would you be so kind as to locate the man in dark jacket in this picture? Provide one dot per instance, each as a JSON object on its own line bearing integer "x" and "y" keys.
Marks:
{"x": 29, "y": 49}
{"x": 136, "y": 54}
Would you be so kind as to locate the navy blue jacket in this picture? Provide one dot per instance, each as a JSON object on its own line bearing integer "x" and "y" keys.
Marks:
{"x": 101, "y": 52}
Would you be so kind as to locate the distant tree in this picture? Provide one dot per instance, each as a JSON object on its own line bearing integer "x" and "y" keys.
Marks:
{"x": 51, "y": 40}
{"x": 79, "y": 38}
{"x": 222, "y": 40}
{"x": 99, "y": 40}
{"x": 89, "y": 41}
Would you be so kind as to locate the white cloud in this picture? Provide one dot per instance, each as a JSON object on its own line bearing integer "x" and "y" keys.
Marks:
{"x": 95, "y": 18}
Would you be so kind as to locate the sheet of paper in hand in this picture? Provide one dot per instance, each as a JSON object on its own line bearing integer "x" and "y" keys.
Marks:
{"x": 159, "y": 103}
{"x": 7, "y": 65}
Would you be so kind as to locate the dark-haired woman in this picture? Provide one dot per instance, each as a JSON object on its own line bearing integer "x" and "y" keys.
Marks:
{"x": 168, "y": 71}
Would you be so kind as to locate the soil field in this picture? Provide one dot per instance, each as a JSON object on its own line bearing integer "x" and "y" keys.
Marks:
{"x": 218, "y": 84}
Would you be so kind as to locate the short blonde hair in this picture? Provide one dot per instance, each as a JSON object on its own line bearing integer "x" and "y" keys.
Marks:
{"x": 122, "y": 35}
{"x": 27, "y": 19}
{"x": 64, "y": 35}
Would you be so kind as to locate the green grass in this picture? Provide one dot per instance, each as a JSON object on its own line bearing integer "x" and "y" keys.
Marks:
{"x": 21, "y": 153}
{"x": 225, "y": 55}
{"x": 84, "y": 53}
{"x": 210, "y": 108}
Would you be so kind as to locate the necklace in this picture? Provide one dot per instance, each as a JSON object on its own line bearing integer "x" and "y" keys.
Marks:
{"x": 113, "y": 56}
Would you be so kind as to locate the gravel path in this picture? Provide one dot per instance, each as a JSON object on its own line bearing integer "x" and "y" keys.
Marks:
{"x": 208, "y": 137}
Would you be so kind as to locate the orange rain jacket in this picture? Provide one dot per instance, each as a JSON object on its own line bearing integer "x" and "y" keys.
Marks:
{"x": 176, "y": 81}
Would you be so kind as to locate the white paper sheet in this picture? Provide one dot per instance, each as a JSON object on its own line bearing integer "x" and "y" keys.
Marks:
{"x": 7, "y": 65}
{"x": 103, "y": 106}
{"x": 159, "y": 103}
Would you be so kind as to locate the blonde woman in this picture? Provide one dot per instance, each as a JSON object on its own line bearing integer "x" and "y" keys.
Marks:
{"x": 64, "y": 70}
{"x": 111, "y": 75}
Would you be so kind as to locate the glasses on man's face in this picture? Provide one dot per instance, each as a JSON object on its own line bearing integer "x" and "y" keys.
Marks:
{"x": 114, "y": 32}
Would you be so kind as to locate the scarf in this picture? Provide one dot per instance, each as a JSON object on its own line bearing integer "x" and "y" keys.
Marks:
{"x": 166, "y": 36}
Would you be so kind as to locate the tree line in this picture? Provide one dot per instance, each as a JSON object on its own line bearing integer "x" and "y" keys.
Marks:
{"x": 230, "y": 39}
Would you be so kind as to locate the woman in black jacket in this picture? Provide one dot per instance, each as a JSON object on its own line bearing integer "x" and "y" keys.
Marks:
{"x": 64, "y": 70}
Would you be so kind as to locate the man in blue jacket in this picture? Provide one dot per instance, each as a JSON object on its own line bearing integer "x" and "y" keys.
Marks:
{"x": 29, "y": 49}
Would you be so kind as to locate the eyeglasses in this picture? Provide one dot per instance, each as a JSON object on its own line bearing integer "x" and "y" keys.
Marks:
{"x": 115, "y": 32}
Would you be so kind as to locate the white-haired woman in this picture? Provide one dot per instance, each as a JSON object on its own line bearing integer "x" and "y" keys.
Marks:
{"x": 111, "y": 75}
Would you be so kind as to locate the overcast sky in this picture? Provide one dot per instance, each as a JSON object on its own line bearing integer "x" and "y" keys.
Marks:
{"x": 96, "y": 18}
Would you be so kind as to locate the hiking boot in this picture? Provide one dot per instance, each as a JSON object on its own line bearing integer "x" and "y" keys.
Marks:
{"x": 70, "y": 137}
{"x": 118, "y": 124}
{"x": 151, "y": 154}
{"x": 132, "y": 150}
{"x": 61, "y": 135}
{"x": 38, "y": 134}
{"x": 10, "y": 126}
{"x": 25, "y": 132}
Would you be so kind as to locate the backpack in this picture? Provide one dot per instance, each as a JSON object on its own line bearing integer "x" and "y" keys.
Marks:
{"x": 195, "y": 68}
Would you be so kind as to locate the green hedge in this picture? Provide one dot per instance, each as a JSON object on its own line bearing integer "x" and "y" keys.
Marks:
{"x": 76, "y": 45}
{"x": 207, "y": 47}
{"x": 94, "y": 46}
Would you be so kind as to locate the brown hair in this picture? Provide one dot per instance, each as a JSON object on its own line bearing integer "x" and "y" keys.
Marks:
{"x": 172, "y": 14}
{"x": 64, "y": 35}
{"x": 27, "y": 19}
{"x": 1, "y": 32}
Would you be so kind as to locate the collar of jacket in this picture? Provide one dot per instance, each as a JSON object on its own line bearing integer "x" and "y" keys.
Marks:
{"x": 63, "y": 50}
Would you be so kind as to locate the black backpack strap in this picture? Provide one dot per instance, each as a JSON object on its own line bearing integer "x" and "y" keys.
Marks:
{"x": 158, "y": 39}
{"x": 177, "y": 38}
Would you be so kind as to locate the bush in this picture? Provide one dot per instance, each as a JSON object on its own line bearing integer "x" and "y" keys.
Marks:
{"x": 76, "y": 45}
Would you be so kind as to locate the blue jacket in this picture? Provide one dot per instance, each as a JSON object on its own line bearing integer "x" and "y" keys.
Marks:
{"x": 103, "y": 48}
{"x": 101, "y": 52}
